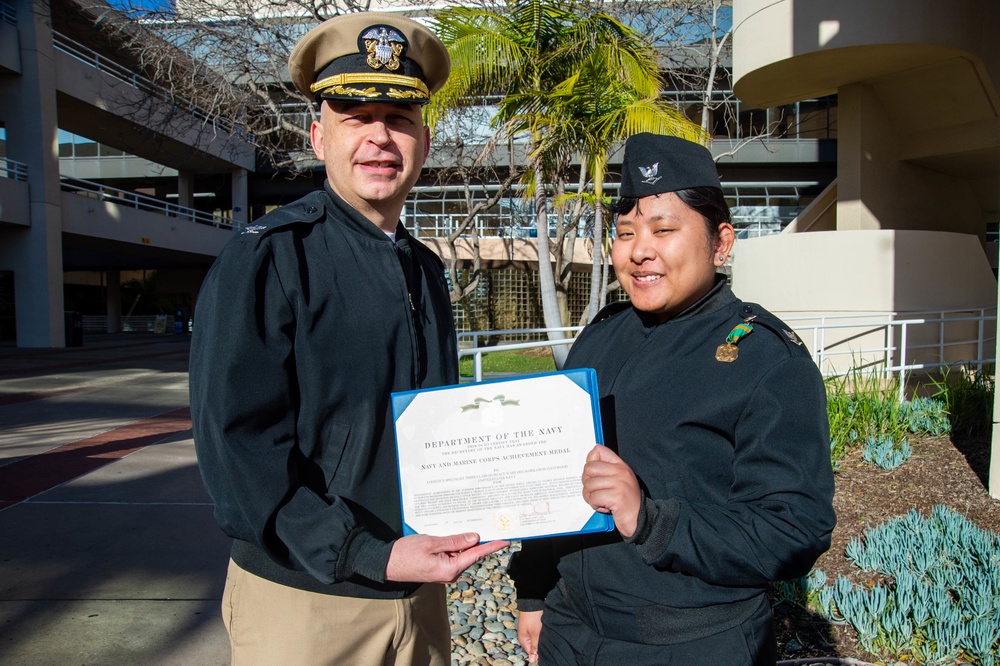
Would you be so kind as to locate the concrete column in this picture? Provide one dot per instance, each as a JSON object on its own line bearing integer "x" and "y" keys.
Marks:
{"x": 240, "y": 197}
{"x": 877, "y": 189}
{"x": 32, "y": 138}
{"x": 114, "y": 300}
{"x": 185, "y": 189}
{"x": 857, "y": 111}
{"x": 994, "y": 480}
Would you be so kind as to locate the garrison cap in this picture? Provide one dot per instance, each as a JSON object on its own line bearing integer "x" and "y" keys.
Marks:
{"x": 370, "y": 57}
{"x": 655, "y": 163}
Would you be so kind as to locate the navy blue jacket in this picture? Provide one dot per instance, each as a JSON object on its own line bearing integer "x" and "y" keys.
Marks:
{"x": 306, "y": 322}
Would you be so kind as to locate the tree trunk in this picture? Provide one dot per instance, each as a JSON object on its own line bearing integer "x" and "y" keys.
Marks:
{"x": 546, "y": 280}
{"x": 596, "y": 288}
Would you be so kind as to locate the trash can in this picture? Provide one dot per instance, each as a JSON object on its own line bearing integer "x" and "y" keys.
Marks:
{"x": 73, "y": 328}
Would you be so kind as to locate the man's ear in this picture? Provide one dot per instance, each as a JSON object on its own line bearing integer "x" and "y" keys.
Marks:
{"x": 427, "y": 142}
{"x": 316, "y": 139}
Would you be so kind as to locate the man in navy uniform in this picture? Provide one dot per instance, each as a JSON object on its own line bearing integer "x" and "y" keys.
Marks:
{"x": 308, "y": 320}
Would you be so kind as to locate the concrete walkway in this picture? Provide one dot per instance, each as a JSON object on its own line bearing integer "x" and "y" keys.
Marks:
{"x": 108, "y": 550}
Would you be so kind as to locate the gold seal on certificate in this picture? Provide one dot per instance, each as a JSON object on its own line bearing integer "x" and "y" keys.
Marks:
{"x": 502, "y": 458}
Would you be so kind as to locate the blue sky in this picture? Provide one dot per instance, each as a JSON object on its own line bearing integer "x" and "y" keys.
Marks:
{"x": 133, "y": 5}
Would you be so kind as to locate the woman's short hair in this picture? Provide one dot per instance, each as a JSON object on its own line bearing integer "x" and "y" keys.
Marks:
{"x": 708, "y": 202}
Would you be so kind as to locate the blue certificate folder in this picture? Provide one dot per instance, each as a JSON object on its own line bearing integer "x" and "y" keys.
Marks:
{"x": 502, "y": 458}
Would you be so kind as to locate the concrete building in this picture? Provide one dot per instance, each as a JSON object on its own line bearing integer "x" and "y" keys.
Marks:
{"x": 106, "y": 172}
{"x": 903, "y": 228}
{"x": 55, "y": 74}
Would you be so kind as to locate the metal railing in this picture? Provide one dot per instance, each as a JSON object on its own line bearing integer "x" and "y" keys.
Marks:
{"x": 758, "y": 209}
{"x": 129, "y": 324}
{"x": 112, "y": 68}
{"x": 13, "y": 170}
{"x": 8, "y": 14}
{"x": 476, "y": 352}
{"x": 896, "y": 356}
{"x": 145, "y": 203}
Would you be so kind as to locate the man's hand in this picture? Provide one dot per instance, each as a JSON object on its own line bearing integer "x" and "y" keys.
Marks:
{"x": 610, "y": 486}
{"x": 529, "y": 626}
{"x": 420, "y": 558}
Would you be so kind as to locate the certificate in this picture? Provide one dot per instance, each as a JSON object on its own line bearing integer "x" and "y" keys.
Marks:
{"x": 501, "y": 458}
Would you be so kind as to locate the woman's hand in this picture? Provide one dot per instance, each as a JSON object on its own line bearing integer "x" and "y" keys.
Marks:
{"x": 529, "y": 626}
{"x": 610, "y": 486}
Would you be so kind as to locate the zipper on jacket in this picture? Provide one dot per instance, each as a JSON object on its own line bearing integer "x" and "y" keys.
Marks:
{"x": 406, "y": 268}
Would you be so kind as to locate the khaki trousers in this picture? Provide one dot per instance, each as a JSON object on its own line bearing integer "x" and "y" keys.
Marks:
{"x": 273, "y": 625}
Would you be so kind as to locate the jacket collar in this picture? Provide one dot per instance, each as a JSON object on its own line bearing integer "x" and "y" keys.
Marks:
{"x": 354, "y": 220}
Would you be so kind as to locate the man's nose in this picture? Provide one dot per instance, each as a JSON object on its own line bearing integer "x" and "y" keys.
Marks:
{"x": 378, "y": 133}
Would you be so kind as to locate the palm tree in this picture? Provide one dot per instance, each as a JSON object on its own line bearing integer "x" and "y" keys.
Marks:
{"x": 595, "y": 112}
{"x": 523, "y": 55}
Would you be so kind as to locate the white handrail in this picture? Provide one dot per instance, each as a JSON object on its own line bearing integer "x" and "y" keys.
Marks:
{"x": 8, "y": 14}
{"x": 143, "y": 202}
{"x": 820, "y": 353}
{"x": 476, "y": 352}
{"x": 13, "y": 169}
{"x": 108, "y": 66}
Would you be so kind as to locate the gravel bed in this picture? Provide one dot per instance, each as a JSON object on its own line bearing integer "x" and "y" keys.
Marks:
{"x": 482, "y": 609}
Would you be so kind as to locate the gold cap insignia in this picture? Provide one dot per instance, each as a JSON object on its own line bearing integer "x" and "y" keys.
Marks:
{"x": 384, "y": 46}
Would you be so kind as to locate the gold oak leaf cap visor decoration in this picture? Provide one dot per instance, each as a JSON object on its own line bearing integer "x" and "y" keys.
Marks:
{"x": 370, "y": 57}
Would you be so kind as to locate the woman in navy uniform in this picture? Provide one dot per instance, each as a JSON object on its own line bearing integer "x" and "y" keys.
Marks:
{"x": 717, "y": 469}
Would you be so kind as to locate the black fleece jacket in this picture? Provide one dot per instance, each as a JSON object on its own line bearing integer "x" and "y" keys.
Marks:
{"x": 733, "y": 459}
{"x": 306, "y": 322}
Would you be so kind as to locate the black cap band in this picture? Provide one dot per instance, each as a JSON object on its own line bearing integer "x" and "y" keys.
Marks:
{"x": 654, "y": 164}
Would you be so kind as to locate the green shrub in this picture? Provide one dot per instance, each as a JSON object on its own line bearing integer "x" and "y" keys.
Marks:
{"x": 886, "y": 453}
{"x": 968, "y": 399}
{"x": 927, "y": 415}
{"x": 866, "y": 410}
{"x": 861, "y": 406}
{"x": 941, "y": 598}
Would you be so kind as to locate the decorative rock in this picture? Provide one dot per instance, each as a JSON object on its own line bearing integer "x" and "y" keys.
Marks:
{"x": 482, "y": 610}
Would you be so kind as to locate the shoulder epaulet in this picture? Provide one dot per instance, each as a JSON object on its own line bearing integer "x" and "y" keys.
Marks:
{"x": 773, "y": 324}
{"x": 610, "y": 310}
{"x": 307, "y": 210}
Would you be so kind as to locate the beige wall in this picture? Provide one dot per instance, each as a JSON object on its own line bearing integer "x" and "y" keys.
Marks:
{"x": 863, "y": 271}
{"x": 918, "y": 153}
{"x": 876, "y": 190}
{"x": 918, "y": 102}
{"x": 807, "y": 277}
{"x": 508, "y": 252}
{"x": 822, "y": 45}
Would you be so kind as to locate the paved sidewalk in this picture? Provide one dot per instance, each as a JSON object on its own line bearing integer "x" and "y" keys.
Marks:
{"x": 108, "y": 550}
